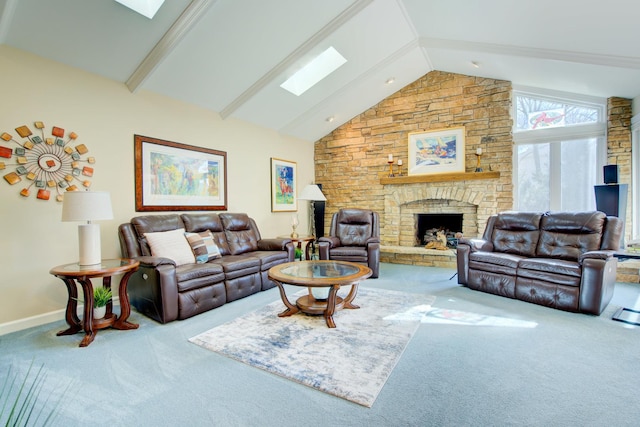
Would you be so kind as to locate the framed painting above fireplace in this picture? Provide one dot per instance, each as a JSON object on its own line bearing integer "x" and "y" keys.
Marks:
{"x": 436, "y": 151}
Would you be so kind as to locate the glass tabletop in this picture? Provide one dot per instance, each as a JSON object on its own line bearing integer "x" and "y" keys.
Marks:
{"x": 319, "y": 269}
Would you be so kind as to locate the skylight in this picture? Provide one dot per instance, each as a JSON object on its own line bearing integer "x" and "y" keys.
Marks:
{"x": 319, "y": 68}
{"x": 146, "y": 8}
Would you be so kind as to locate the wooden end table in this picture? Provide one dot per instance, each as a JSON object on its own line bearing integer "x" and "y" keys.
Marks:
{"x": 72, "y": 273}
{"x": 319, "y": 274}
{"x": 307, "y": 240}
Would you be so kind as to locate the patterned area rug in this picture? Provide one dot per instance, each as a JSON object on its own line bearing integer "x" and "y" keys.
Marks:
{"x": 352, "y": 361}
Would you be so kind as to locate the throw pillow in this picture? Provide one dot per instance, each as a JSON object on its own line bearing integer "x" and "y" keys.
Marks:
{"x": 171, "y": 244}
{"x": 203, "y": 246}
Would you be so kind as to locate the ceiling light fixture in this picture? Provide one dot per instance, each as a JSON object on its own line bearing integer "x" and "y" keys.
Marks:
{"x": 319, "y": 68}
{"x": 330, "y": 119}
{"x": 390, "y": 80}
{"x": 475, "y": 64}
{"x": 146, "y": 8}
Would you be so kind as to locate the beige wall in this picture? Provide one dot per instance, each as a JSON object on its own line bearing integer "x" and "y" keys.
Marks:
{"x": 106, "y": 115}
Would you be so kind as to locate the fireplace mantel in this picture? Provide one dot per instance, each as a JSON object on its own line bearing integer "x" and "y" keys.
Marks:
{"x": 443, "y": 177}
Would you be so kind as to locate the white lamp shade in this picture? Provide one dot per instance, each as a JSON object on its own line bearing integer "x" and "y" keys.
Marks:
{"x": 86, "y": 206}
{"x": 312, "y": 192}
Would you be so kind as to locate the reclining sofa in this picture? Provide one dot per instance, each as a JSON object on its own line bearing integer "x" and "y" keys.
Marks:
{"x": 236, "y": 266}
{"x": 562, "y": 260}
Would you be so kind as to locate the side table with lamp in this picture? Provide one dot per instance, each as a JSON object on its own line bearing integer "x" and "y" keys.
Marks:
{"x": 92, "y": 206}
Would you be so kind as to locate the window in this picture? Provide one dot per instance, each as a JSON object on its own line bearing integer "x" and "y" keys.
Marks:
{"x": 560, "y": 150}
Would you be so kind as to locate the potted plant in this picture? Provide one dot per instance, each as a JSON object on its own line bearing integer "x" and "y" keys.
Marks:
{"x": 101, "y": 296}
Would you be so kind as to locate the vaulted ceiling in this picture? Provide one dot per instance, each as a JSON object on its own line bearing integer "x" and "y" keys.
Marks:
{"x": 230, "y": 56}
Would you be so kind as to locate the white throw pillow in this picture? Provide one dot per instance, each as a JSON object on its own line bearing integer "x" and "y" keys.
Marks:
{"x": 171, "y": 244}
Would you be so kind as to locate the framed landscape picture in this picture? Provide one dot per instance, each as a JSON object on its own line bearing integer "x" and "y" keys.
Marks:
{"x": 436, "y": 151}
{"x": 170, "y": 176}
{"x": 283, "y": 185}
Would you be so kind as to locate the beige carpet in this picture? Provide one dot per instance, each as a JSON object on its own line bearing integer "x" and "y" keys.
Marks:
{"x": 352, "y": 361}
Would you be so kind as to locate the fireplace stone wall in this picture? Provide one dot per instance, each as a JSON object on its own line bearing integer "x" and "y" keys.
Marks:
{"x": 351, "y": 161}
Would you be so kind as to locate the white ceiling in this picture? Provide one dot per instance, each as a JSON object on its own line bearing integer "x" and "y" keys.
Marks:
{"x": 231, "y": 56}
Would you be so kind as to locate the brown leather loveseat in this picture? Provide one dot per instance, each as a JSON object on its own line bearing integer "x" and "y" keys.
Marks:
{"x": 562, "y": 260}
{"x": 166, "y": 290}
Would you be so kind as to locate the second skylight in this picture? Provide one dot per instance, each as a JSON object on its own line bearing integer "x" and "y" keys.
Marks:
{"x": 319, "y": 68}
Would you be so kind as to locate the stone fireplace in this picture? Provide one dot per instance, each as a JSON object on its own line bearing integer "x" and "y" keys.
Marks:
{"x": 404, "y": 202}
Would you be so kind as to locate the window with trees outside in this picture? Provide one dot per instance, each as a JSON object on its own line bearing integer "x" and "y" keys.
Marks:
{"x": 560, "y": 150}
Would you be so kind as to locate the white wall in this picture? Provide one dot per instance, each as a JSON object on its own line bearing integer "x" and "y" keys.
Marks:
{"x": 105, "y": 115}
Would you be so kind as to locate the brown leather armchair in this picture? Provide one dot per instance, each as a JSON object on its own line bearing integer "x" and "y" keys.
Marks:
{"x": 354, "y": 236}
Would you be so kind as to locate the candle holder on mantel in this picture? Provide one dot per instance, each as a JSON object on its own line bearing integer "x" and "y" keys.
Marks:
{"x": 390, "y": 161}
{"x": 399, "y": 167}
{"x": 478, "y": 154}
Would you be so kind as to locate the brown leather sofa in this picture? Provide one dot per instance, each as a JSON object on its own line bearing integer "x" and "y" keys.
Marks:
{"x": 562, "y": 260}
{"x": 164, "y": 291}
{"x": 354, "y": 236}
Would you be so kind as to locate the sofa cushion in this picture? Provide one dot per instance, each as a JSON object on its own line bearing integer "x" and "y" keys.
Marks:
{"x": 241, "y": 237}
{"x": 203, "y": 246}
{"x": 567, "y": 235}
{"x": 237, "y": 265}
{"x": 516, "y": 233}
{"x": 171, "y": 244}
{"x": 532, "y": 266}
{"x": 193, "y": 276}
{"x": 269, "y": 259}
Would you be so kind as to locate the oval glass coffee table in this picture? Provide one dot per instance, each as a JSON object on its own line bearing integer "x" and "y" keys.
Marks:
{"x": 319, "y": 274}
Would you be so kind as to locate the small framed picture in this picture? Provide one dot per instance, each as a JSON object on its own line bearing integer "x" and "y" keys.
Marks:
{"x": 283, "y": 185}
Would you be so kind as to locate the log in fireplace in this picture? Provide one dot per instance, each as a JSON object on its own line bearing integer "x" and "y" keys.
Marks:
{"x": 428, "y": 226}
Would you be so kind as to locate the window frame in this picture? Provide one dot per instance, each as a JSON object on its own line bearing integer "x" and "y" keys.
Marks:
{"x": 553, "y": 135}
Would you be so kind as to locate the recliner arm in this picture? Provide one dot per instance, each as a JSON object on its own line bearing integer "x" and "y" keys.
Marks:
{"x": 153, "y": 288}
{"x": 325, "y": 243}
{"x": 154, "y": 261}
{"x": 597, "y": 284}
{"x": 273, "y": 244}
{"x": 330, "y": 241}
{"x": 477, "y": 244}
{"x": 605, "y": 255}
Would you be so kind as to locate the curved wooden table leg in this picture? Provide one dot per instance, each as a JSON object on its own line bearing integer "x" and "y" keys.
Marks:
{"x": 125, "y": 306}
{"x": 89, "y": 333}
{"x": 331, "y": 306}
{"x": 71, "y": 315}
{"x": 350, "y": 297}
{"x": 291, "y": 308}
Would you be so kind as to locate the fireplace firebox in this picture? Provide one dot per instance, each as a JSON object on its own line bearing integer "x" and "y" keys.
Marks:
{"x": 428, "y": 226}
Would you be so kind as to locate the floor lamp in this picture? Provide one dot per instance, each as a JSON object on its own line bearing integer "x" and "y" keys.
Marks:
{"x": 313, "y": 193}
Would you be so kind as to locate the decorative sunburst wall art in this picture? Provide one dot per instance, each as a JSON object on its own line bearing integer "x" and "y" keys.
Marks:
{"x": 50, "y": 162}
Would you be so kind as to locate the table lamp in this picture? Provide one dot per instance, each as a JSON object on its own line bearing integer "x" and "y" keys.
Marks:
{"x": 87, "y": 206}
{"x": 313, "y": 193}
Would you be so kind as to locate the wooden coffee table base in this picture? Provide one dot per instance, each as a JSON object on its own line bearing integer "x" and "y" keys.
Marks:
{"x": 310, "y": 305}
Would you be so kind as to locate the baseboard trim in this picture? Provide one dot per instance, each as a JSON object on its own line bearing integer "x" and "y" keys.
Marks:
{"x": 41, "y": 319}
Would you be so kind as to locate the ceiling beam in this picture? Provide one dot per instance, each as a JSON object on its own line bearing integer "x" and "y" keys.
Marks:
{"x": 355, "y": 8}
{"x": 179, "y": 29}
{"x": 531, "y": 52}
{"x": 6, "y": 16}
